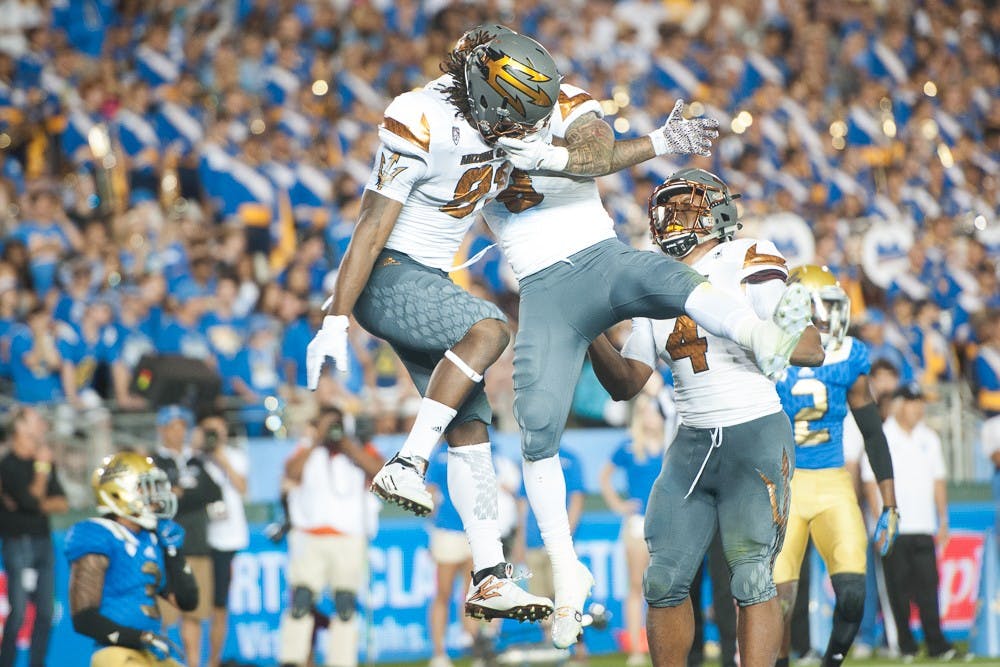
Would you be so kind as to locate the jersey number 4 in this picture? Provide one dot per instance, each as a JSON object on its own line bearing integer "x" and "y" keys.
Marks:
{"x": 685, "y": 343}
{"x": 804, "y": 436}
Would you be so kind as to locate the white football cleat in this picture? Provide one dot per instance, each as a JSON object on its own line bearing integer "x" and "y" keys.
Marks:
{"x": 498, "y": 596}
{"x": 401, "y": 482}
{"x": 775, "y": 340}
{"x": 567, "y": 621}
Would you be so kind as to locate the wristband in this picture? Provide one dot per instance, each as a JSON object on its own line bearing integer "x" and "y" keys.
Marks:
{"x": 43, "y": 467}
{"x": 659, "y": 140}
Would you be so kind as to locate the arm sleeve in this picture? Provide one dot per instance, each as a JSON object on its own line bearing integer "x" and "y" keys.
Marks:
{"x": 620, "y": 458}
{"x": 180, "y": 581}
{"x": 92, "y": 623}
{"x": 641, "y": 344}
{"x": 876, "y": 447}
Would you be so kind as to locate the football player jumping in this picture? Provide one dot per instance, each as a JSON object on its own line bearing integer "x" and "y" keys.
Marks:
{"x": 576, "y": 280}
{"x": 824, "y": 504}
{"x": 437, "y": 165}
{"x": 732, "y": 459}
{"x": 122, "y": 561}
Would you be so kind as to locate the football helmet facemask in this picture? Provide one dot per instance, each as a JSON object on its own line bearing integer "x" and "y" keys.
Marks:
{"x": 830, "y": 304}
{"x": 691, "y": 207}
{"x": 129, "y": 485}
{"x": 512, "y": 84}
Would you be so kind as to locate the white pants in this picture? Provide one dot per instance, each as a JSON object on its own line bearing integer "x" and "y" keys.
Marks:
{"x": 318, "y": 563}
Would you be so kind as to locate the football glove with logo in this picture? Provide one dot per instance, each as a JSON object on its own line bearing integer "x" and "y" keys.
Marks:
{"x": 683, "y": 137}
{"x": 886, "y": 530}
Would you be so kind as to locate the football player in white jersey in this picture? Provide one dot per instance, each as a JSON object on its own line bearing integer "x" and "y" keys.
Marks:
{"x": 436, "y": 167}
{"x": 732, "y": 459}
{"x": 576, "y": 279}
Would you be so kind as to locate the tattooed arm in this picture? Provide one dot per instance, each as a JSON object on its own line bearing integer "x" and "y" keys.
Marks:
{"x": 593, "y": 150}
{"x": 86, "y": 591}
{"x": 590, "y": 149}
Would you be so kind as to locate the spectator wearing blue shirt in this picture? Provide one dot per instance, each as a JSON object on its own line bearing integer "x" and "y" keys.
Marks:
{"x": 46, "y": 239}
{"x": 255, "y": 372}
{"x": 224, "y": 329}
{"x": 452, "y": 557}
{"x": 640, "y": 459}
{"x": 84, "y": 348}
{"x": 35, "y": 361}
{"x": 10, "y": 298}
{"x": 182, "y": 333}
{"x": 130, "y": 337}
{"x": 530, "y": 549}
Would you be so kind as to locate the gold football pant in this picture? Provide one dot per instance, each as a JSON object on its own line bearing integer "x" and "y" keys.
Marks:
{"x": 119, "y": 656}
{"x": 824, "y": 506}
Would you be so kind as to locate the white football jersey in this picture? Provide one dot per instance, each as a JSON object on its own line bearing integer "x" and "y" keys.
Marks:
{"x": 438, "y": 166}
{"x": 717, "y": 382}
{"x": 543, "y": 217}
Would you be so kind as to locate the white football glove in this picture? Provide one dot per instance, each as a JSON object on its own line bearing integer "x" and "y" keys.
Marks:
{"x": 533, "y": 153}
{"x": 329, "y": 341}
{"x": 684, "y": 137}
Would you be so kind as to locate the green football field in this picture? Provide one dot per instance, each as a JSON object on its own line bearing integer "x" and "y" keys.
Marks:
{"x": 619, "y": 661}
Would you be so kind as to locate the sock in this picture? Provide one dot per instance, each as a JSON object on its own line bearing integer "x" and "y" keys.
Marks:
{"x": 546, "y": 489}
{"x": 721, "y": 313}
{"x": 432, "y": 419}
{"x": 781, "y": 662}
{"x": 472, "y": 485}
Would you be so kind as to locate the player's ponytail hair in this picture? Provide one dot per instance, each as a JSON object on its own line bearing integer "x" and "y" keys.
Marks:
{"x": 647, "y": 428}
{"x": 454, "y": 64}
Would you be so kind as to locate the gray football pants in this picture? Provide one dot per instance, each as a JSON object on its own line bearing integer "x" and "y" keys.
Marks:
{"x": 734, "y": 477}
{"x": 422, "y": 314}
{"x": 566, "y": 306}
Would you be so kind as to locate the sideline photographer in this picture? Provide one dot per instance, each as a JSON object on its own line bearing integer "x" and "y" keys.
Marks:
{"x": 332, "y": 517}
{"x": 228, "y": 531}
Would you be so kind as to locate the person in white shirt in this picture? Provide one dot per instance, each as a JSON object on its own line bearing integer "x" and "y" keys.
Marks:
{"x": 332, "y": 519}
{"x": 228, "y": 532}
{"x": 730, "y": 465}
{"x": 921, "y": 492}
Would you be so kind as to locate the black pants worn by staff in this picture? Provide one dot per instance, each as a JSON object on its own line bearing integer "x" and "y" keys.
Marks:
{"x": 911, "y": 575}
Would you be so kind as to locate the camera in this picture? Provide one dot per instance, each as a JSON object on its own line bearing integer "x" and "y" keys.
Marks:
{"x": 211, "y": 442}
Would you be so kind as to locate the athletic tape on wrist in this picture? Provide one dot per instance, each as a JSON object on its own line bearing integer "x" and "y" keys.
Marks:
{"x": 462, "y": 366}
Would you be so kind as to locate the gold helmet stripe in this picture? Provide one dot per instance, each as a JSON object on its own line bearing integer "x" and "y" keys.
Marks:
{"x": 501, "y": 71}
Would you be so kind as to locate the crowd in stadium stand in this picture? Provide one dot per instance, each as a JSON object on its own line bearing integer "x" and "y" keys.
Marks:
{"x": 186, "y": 179}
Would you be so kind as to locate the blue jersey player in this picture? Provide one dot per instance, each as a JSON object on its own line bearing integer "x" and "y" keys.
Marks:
{"x": 122, "y": 561}
{"x": 824, "y": 504}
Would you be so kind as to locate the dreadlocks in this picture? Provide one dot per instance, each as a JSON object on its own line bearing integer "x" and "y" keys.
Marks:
{"x": 454, "y": 64}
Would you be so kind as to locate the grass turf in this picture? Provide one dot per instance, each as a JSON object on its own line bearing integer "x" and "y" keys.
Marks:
{"x": 618, "y": 660}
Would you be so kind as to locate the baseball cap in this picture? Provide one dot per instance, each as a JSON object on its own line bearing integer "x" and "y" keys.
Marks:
{"x": 169, "y": 413}
{"x": 910, "y": 392}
